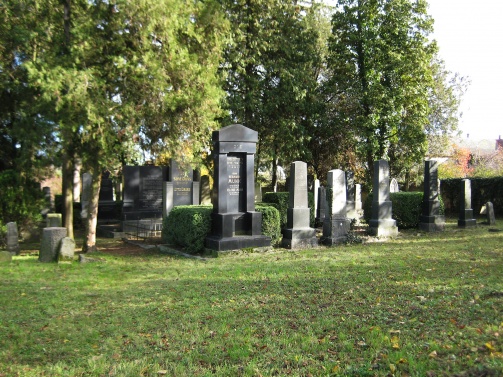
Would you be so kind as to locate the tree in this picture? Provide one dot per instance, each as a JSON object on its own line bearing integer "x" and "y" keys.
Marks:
{"x": 381, "y": 75}
{"x": 129, "y": 72}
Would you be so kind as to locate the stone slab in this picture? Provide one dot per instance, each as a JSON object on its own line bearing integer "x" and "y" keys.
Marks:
{"x": 66, "y": 250}
{"x": 49, "y": 247}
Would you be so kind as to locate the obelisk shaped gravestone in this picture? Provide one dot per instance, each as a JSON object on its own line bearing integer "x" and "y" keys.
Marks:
{"x": 297, "y": 233}
{"x": 336, "y": 223}
{"x": 235, "y": 223}
{"x": 381, "y": 224}
{"x": 431, "y": 220}
{"x": 466, "y": 219}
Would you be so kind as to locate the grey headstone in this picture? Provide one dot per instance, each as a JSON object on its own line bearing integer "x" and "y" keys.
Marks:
{"x": 49, "y": 247}
{"x": 431, "y": 220}
{"x": 465, "y": 206}
{"x": 235, "y": 223}
{"x": 322, "y": 205}
{"x": 381, "y": 224}
{"x": 12, "y": 238}
{"x": 298, "y": 234}
{"x": 66, "y": 250}
{"x": 5, "y": 256}
{"x": 316, "y": 186}
{"x": 336, "y": 224}
{"x": 393, "y": 186}
{"x": 53, "y": 220}
{"x": 491, "y": 218}
{"x": 87, "y": 181}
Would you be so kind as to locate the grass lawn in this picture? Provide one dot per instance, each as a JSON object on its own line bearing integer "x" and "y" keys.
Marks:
{"x": 419, "y": 305}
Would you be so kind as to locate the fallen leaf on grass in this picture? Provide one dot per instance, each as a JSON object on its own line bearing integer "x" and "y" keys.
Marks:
{"x": 433, "y": 354}
{"x": 490, "y": 346}
{"x": 162, "y": 372}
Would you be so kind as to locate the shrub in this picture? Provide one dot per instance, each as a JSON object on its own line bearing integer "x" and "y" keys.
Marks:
{"x": 271, "y": 226}
{"x": 188, "y": 226}
{"x": 407, "y": 208}
{"x": 280, "y": 200}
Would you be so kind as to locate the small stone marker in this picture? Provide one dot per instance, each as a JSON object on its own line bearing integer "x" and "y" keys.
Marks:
{"x": 12, "y": 238}
{"x": 298, "y": 234}
{"x": 53, "y": 220}
{"x": 491, "y": 218}
{"x": 393, "y": 186}
{"x": 66, "y": 250}
{"x": 431, "y": 220}
{"x": 465, "y": 206}
{"x": 5, "y": 256}
{"x": 381, "y": 224}
{"x": 336, "y": 224}
{"x": 322, "y": 205}
{"x": 49, "y": 247}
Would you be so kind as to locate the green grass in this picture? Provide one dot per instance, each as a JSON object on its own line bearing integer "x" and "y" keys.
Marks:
{"x": 428, "y": 304}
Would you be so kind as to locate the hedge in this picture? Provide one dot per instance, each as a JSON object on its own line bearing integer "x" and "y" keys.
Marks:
{"x": 188, "y": 226}
{"x": 483, "y": 190}
{"x": 407, "y": 208}
{"x": 280, "y": 201}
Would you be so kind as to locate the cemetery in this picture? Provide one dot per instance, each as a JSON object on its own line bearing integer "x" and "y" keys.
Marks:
{"x": 222, "y": 188}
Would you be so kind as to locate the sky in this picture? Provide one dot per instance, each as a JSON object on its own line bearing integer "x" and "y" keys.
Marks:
{"x": 470, "y": 38}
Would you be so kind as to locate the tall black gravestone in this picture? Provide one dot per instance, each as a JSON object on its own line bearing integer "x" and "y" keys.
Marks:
{"x": 235, "y": 223}
{"x": 430, "y": 219}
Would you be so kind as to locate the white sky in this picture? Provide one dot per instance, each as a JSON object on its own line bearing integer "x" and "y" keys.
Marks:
{"x": 470, "y": 37}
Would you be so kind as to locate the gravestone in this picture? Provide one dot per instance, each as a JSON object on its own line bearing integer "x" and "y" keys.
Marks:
{"x": 258, "y": 193}
{"x": 143, "y": 192}
{"x": 87, "y": 181}
{"x": 205, "y": 191}
{"x": 106, "y": 203}
{"x": 491, "y": 218}
{"x": 12, "y": 238}
{"x": 322, "y": 205}
{"x": 66, "y": 250}
{"x": 393, "y": 186}
{"x": 297, "y": 233}
{"x": 431, "y": 220}
{"x": 351, "y": 196}
{"x": 381, "y": 224}
{"x": 316, "y": 186}
{"x": 465, "y": 206}
{"x": 5, "y": 256}
{"x": 53, "y": 220}
{"x": 49, "y": 246}
{"x": 336, "y": 224}
{"x": 182, "y": 189}
{"x": 235, "y": 223}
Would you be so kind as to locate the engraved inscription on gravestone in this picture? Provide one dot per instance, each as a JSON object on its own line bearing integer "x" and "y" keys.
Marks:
{"x": 150, "y": 193}
{"x": 235, "y": 171}
{"x": 182, "y": 180}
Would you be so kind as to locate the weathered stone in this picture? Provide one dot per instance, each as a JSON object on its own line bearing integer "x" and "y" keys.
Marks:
{"x": 53, "y": 220}
{"x": 491, "y": 218}
{"x": 66, "y": 250}
{"x": 298, "y": 234}
{"x": 465, "y": 206}
{"x": 49, "y": 247}
{"x": 5, "y": 256}
{"x": 322, "y": 205}
{"x": 87, "y": 181}
{"x": 12, "y": 238}
{"x": 431, "y": 220}
{"x": 85, "y": 259}
{"x": 258, "y": 192}
{"x": 336, "y": 224}
{"x": 205, "y": 190}
{"x": 316, "y": 186}
{"x": 381, "y": 224}
{"x": 393, "y": 186}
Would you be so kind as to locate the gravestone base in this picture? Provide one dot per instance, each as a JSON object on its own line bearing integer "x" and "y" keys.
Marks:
{"x": 432, "y": 223}
{"x": 467, "y": 223}
{"x": 335, "y": 231}
{"x": 236, "y": 242}
{"x": 383, "y": 228}
{"x": 297, "y": 238}
{"x": 66, "y": 250}
{"x": 51, "y": 240}
{"x": 5, "y": 256}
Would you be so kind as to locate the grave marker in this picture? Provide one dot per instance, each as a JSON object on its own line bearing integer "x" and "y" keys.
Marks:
{"x": 381, "y": 224}
{"x": 431, "y": 220}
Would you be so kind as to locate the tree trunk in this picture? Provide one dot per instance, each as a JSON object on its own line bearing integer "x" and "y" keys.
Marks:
{"x": 92, "y": 214}
{"x": 67, "y": 176}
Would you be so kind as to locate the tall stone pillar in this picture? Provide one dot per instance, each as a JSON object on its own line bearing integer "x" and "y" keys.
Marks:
{"x": 431, "y": 220}
{"x": 336, "y": 223}
{"x": 298, "y": 234}
{"x": 466, "y": 219}
{"x": 381, "y": 224}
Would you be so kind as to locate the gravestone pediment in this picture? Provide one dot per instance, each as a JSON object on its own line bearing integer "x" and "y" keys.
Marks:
{"x": 235, "y": 132}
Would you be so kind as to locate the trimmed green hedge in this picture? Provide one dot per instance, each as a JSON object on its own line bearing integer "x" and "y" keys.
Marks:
{"x": 483, "y": 190}
{"x": 407, "y": 208}
{"x": 280, "y": 201}
{"x": 188, "y": 226}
